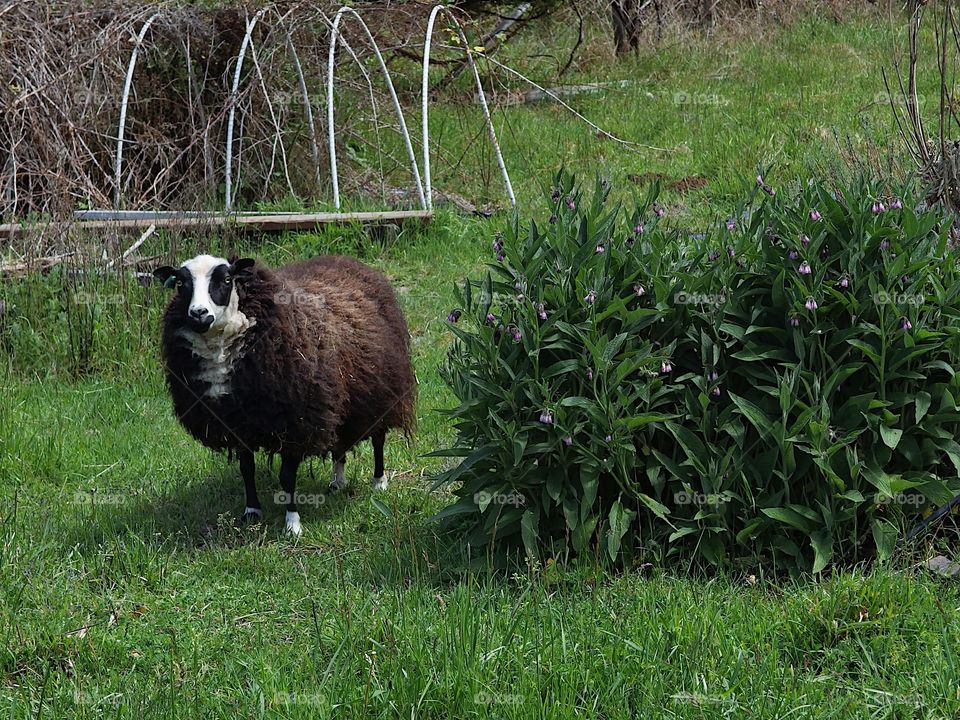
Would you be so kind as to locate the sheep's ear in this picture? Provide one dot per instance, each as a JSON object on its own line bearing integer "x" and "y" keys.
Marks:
{"x": 166, "y": 274}
{"x": 242, "y": 269}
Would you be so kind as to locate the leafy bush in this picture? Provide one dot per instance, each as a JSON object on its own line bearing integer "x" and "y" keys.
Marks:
{"x": 781, "y": 389}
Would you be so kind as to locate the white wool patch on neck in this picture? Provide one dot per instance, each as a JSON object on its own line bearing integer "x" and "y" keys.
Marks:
{"x": 217, "y": 350}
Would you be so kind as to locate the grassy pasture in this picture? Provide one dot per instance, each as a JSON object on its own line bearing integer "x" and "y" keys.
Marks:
{"x": 126, "y": 590}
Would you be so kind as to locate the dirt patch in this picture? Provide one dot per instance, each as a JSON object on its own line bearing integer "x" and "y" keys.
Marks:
{"x": 685, "y": 184}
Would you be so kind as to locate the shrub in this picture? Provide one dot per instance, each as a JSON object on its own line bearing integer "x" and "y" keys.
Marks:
{"x": 780, "y": 389}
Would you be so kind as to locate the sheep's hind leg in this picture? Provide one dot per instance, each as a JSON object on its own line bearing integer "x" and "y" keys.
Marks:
{"x": 288, "y": 481}
{"x": 379, "y": 480}
{"x": 248, "y": 469}
{"x": 339, "y": 481}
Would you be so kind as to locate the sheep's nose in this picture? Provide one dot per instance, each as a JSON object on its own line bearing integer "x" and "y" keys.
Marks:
{"x": 201, "y": 316}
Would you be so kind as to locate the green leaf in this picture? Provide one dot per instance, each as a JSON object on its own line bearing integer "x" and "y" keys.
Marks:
{"x": 682, "y": 532}
{"x": 822, "y": 550}
{"x": 884, "y": 537}
{"x": 638, "y": 421}
{"x": 692, "y": 445}
{"x": 754, "y": 414}
{"x": 612, "y": 348}
{"x": 890, "y": 436}
{"x": 921, "y": 404}
{"x": 789, "y": 517}
{"x": 528, "y": 531}
{"x": 381, "y": 506}
{"x": 620, "y": 519}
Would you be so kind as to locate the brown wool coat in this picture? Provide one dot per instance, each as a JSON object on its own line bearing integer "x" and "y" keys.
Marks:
{"x": 326, "y": 364}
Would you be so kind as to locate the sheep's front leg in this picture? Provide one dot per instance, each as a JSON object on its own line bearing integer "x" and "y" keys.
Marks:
{"x": 248, "y": 469}
{"x": 288, "y": 481}
{"x": 379, "y": 481}
{"x": 339, "y": 481}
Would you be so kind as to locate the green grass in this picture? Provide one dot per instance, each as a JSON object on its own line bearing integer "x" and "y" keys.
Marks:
{"x": 126, "y": 590}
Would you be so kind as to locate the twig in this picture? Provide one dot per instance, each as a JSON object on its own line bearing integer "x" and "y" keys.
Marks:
{"x": 626, "y": 143}
{"x": 143, "y": 238}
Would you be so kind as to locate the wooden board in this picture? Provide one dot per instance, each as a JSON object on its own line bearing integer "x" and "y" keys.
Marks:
{"x": 266, "y": 222}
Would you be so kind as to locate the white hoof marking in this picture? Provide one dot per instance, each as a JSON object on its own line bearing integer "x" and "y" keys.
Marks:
{"x": 293, "y": 524}
{"x": 252, "y": 512}
{"x": 380, "y": 483}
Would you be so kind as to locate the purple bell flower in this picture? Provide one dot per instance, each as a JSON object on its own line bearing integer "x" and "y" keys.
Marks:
{"x": 804, "y": 268}
{"x": 815, "y": 216}
{"x": 546, "y": 417}
{"x": 905, "y": 324}
{"x": 591, "y": 297}
{"x": 811, "y": 304}
{"x": 454, "y": 316}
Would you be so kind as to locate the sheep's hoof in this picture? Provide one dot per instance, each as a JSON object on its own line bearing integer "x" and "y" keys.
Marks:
{"x": 252, "y": 515}
{"x": 292, "y": 527}
{"x": 338, "y": 484}
{"x": 380, "y": 483}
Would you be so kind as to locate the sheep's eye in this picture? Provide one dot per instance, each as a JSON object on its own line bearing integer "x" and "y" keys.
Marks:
{"x": 227, "y": 280}
{"x": 179, "y": 284}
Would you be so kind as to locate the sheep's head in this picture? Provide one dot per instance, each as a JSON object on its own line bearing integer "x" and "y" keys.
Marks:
{"x": 207, "y": 289}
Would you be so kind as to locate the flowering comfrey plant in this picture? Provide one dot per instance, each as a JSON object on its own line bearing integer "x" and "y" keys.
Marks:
{"x": 801, "y": 369}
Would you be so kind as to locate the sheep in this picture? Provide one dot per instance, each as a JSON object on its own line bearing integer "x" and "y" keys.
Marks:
{"x": 303, "y": 360}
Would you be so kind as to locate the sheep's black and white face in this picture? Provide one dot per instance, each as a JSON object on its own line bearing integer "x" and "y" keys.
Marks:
{"x": 206, "y": 285}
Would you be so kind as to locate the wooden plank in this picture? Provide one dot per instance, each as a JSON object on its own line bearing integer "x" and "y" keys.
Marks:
{"x": 266, "y": 222}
